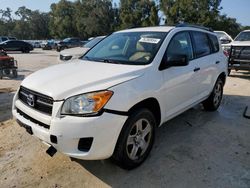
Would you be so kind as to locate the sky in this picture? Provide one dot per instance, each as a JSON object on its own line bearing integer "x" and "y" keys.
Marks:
{"x": 239, "y": 9}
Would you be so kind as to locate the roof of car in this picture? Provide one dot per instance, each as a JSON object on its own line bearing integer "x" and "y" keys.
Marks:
{"x": 167, "y": 28}
{"x": 156, "y": 28}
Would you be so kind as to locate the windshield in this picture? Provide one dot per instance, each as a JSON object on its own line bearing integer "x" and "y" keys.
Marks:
{"x": 133, "y": 48}
{"x": 93, "y": 42}
{"x": 243, "y": 36}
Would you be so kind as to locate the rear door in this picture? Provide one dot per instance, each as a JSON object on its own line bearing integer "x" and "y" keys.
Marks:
{"x": 206, "y": 59}
{"x": 179, "y": 82}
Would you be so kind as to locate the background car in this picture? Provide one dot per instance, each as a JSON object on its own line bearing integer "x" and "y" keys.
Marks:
{"x": 239, "y": 52}
{"x": 16, "y": 45}
{"x": 224, "y": 37}
{"x": 37, "y": 44}
{"x": 74, "y": 53}
{"x": 69, "y": 43}
{"x": 49, "y": 45}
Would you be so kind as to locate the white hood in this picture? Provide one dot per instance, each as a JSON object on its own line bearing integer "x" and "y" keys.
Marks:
{"x": 69, "y": 79}
{"x": 78, "y": 51}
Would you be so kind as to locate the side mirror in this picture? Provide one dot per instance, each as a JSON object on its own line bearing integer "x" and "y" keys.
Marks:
{"x": 224, "y": 40}
{"x": 174, "y": 61}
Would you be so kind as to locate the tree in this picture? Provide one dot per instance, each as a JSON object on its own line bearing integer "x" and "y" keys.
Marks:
{"x": 62, "y": 19}
{"x": 136, "y": 13}
{"x": 94, "y": 17}
{"x": 202, "y": 12}
{"x": 6, "y": 22}
{"x": 227, "y": 24}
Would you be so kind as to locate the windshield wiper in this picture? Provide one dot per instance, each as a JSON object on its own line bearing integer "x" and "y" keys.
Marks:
{"x": 110, "y": 61}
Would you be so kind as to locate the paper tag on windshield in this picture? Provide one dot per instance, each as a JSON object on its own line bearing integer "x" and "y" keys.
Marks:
{"x": 150, "y": 40}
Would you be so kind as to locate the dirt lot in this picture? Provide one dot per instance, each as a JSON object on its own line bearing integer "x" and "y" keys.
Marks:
{"x": 195, "y": 149}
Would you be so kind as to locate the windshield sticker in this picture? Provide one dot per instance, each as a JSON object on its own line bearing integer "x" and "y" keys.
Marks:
{"x": 150, "y": 40}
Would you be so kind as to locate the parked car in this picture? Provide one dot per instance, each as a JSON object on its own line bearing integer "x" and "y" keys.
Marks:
{"x": 49, "y": 45}
{"x": 16, "y": 45}
{"x": 110, "y": 102}
{"x": 37, "y": 44}
{"x": 75, "y": 53}
{"x": 224, "y": 37}
{"x": 69, "y": 43}
{"x": 239, "y": 52}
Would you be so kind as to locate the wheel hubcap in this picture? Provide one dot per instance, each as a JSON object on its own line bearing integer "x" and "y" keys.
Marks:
{"x": 139, "y": 139}
{"x": 217, "y": 94}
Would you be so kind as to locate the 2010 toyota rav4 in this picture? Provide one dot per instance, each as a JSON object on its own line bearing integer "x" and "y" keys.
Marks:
{"x": 110, "y": 102}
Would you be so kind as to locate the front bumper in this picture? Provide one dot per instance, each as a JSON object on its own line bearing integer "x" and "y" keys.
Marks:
{"x": 104, "y": 130}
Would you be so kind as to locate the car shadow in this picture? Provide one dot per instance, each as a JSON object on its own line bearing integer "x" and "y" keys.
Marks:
{"x": 183, "y": 153}
{"x": 240, "y": 74}
{"x": 6, "y": 98}
{"x": 19, "y": 77}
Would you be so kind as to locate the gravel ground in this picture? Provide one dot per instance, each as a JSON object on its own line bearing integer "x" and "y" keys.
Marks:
{"x": 195, "y": 149}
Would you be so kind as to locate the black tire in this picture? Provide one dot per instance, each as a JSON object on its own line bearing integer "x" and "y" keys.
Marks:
{"x": 212, "y": 103}
{"x": 6, "y": 71}
{"x": 142, "y": 141}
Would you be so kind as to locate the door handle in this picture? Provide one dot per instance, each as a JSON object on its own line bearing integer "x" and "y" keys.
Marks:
{"x": 217, "y": 62}
{"x": 197, "y": 69}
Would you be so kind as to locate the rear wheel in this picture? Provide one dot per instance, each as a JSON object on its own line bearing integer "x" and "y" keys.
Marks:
{"x": 214, "y": 100}
{"x": 136, "y": 139}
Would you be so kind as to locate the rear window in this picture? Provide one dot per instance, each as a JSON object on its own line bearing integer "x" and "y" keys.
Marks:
{"x": 201, "y": 43}
{"x": 214, "y": 43}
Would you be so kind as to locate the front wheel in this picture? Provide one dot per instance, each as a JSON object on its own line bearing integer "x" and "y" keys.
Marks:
{"x": 214, "y": 100}
{"x": 136, "y": 140}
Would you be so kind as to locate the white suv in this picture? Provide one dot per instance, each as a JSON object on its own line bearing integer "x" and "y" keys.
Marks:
{"x": 110, "y": 102}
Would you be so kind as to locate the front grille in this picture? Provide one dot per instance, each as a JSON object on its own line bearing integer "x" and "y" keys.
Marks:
{"x": 32, "y": 119}
{"x": 240, "y": 52}
{"x": 37, "y": 101}
{"x": 65, "y": 58}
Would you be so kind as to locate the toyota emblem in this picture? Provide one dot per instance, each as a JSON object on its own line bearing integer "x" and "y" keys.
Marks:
{"x": 31, "y": 100}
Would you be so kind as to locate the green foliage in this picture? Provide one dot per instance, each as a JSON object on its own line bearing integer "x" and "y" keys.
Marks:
{"x": 62, "y": 22}
{"x": 136, "y": 13}
{"x": 94, "y": 17}
{"x": 192, "y": 11}
{"x": 224, "y": 23}
{"x": 88, "y": 18}
{"x": 201, "y": 12}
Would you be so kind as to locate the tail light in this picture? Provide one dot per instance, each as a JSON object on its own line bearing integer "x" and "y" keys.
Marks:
{"x": 226, "y": 53}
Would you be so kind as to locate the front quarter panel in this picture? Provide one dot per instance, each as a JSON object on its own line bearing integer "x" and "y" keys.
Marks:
{"x": 129, "y": 93}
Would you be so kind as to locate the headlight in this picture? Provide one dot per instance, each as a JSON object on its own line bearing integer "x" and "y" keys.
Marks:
{"x": 89, "y": 103}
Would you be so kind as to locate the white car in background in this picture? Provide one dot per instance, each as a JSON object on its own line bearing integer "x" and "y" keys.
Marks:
{"x": 239, "y": 52}
{"x": 75, "y": 53}
{"x": 224, "y": 37}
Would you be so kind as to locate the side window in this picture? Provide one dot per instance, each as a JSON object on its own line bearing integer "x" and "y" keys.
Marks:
{"x": 215, "y": 43}
{"x": 201, "y": 43}
{"x": 180, "y": 45}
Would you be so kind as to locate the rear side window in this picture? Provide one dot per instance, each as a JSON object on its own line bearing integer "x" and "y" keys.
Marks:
{"x": 214, "y": 43}
{"x": 201, "y": 44}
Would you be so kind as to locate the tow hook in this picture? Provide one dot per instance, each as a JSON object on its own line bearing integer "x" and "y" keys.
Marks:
{"x": 51, "y": 151}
